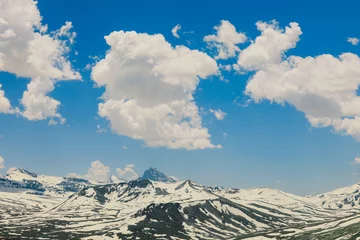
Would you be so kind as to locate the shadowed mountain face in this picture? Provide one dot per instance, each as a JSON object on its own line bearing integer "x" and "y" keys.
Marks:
{"x": 155, "y": 175}
{"x": 149, "y": 209}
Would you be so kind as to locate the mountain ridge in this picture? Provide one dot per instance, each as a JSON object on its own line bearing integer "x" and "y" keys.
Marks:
{"x": 171, "y": 210}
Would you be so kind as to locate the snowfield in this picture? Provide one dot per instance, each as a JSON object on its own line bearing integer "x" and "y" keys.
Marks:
{"x": 42, "y": 207}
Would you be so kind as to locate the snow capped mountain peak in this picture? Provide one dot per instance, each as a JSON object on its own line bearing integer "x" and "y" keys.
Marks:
{"x": 17, "y": 174}
{"x": 155, "y": 175}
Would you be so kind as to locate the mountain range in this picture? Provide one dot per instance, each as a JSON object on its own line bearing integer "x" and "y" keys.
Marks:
{"x": 157, "y": 206}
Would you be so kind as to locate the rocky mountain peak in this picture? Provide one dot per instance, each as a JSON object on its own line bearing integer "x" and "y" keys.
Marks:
{"x": 155, "y": 175}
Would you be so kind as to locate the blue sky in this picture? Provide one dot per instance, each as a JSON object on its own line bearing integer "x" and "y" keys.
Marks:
{"x": 266, "y": 144}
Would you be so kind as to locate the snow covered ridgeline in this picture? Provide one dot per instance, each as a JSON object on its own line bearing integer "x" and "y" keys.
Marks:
{"x": 147, "y": 209}
{"x": 19, "y": 178}
{"x": 182, "y": 210}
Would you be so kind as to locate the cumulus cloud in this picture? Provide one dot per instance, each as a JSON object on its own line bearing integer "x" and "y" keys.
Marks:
{"x": 220, "y": 115}
{"x": 175, "y": 30}
{"x": 2, "y": 162}
{"x": 324, "y": 87}
{"x": 353, "y": 40}
{"x": 127, "y": 173}
{"x": 149, "y": 88}
{"x": 74, "y": 175}
{"x": 53, "y": 122}
{"x": 28, "y": 50}
{"x": 270, "y": 46}
{"x": 98, "y": 172}
{"x": 226, "y": 67}
{"x": 5, "y": 106}
{"x": 356, "y": 160}
{"x": 225, "y": 40}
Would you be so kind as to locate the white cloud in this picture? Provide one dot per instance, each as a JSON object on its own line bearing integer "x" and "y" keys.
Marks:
{"x": 53, "y": 122}
{"x": 98, "y": 172}
{"x": 175, "y": 30}
{"x": 353, "y": 40}
{"x": 270, "y": 46}
{"x": 225, "y": 40}
{"x": 220, "y": 115}
{"x": 149, "y": 90}
{"x": 99, "y": 129}
{"x": 5, "y": 106}
{"x": 226, "y": 67}
{"x": 127, "y": 173}
{"x": 324, "y": 87}
{"x": 125, "y": 147}
{"x": 39, "y": 106}
{"x": 74, "y": 175}
{"x": 356, "y": 160}
{"x": 65, "y": 31}
{"x": 2, "y": 162}
{"x": 27, "y": 50}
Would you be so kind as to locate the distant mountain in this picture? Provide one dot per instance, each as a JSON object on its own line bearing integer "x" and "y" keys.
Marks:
{"x": 342, "y": 198}
{"x": 182, "y": 210}
{"x": 167, "y": 209}
{"x": 155, "y": 175}
{"x": 20, "y": 178}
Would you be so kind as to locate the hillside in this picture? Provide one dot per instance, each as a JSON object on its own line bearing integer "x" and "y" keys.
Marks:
{"x": 147, "y": 209}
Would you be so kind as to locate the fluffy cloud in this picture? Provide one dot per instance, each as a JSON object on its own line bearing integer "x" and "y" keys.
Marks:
{"x": 74, "y": 175}
{"x": 323, "y": 87}
{"x": 175, "y": 30}
{"x": 2, "y": 162}
{"x": 225, "y": 40}
{"x": 127, "y": 173}
{"x": 353, "y": 40}
{"x": 98, "y": 172}
{"x": 220, "y": 115}
{"x": 5, "y": 106}
{"x": 270, "y": 46}
{"x": 28, "y": 50}
{"x": 356, "y": 160}
{"x": 149, "y": 90}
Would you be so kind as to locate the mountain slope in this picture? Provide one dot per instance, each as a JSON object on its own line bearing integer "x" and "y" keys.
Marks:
{"x": 18, "y": 203}
{"x": 342, "y": 198}
{"x": 48, "y": 185}
{"x": 148, "y": 209}
{"x": 182, "y": 210}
